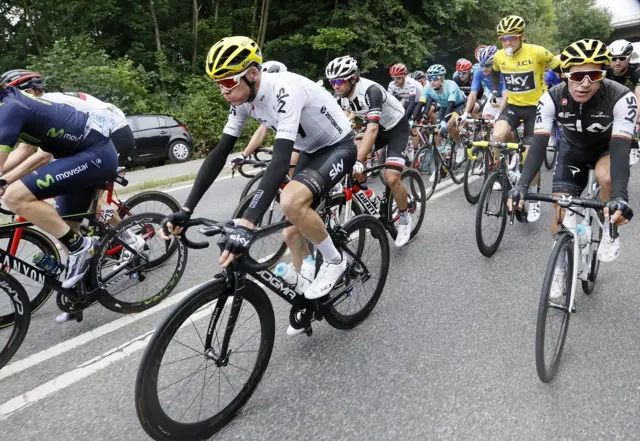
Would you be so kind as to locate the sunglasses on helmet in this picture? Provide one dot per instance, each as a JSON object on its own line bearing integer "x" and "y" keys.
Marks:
{"x": 593, "y": 75}
{"x": 620, "y": 58}
{"x": 228, "y": 84}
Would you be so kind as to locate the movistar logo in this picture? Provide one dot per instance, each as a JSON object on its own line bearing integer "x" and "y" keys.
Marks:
{"x": 53, "y": 133}
{"x": 46, "y": 183}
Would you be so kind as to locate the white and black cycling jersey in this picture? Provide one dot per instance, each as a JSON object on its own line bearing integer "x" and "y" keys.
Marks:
{"x": 108, "y": 115}
{"x": 610, "y": 113}
{"x": 373, "y": 104}
{"x": 410, "y": 88}
{"x": 296, "y": 108}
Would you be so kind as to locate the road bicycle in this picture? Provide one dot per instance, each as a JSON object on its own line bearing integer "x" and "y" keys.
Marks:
{"x": 24, "y": 242}
{"x": 491, "y": 211}
{"x": 477, "y": 170}
{"x": 574, "y": 259}
{"x": 226, "y": 328}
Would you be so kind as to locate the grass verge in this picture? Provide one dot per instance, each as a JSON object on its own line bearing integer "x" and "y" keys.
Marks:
{"x": 157, "y": 183}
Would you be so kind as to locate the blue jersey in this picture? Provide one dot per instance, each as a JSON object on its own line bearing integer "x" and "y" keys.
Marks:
{"x": 449, "y": 92}
{"x": 482, "y": 80}
{"x": 56, "y": 128}
{"x": 551, "y": 78}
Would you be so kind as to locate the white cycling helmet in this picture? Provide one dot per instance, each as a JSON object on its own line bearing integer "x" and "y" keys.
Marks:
{"x": 273, "y": 66}
{"x": 436, "y": 70}
{"x": 620, "y": 48}
{"x": 341, "y": 67}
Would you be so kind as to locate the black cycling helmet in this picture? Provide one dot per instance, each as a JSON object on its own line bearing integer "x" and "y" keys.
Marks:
{"x": 418, "y": 75}
{"x": 22, "y": 79}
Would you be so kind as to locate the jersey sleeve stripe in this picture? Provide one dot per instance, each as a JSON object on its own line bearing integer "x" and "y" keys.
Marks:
{"x": 542, "y": 132}
{"x": 621, "y": 135}
{"x": 6, "y": 148}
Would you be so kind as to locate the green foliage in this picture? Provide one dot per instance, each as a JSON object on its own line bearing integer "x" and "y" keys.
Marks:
{"x": 109, "y": 48}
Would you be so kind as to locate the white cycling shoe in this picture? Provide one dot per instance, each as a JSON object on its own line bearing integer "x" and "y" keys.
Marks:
{"x": 533, "y": 213}
{"x": 78, "y": 263}
{"x": 137, "y": 243}
{"x": 328, "y": 276}
{"x": 609, "y": 250}
{"x": 404, "y": 233}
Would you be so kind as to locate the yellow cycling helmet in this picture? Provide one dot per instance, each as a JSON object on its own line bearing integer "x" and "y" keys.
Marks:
{"x": 584, "y": 52}
{"x": 510, "y": 25}
{"x": 231, "y": 56}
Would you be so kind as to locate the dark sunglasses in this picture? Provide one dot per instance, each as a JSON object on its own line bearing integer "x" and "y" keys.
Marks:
{"x": 487, "y": 66}
{"x": 509, "y": 38}
{"x": 433, "y": 78}
{"x": 621, "y": 59}
{"x": 338, "y": 81}
{"x": 580, "y": 75}
{"x": 399, "y": 77}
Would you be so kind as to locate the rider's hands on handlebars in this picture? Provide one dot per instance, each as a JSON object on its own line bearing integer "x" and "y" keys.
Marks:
{"x": 358, "y": 167}
{"x": 623, "y": 214}
{"x": 443, "y": 126}
{"x": 237, "y": 161}
{"x": 517, "y": 194}
{"x": 237, "y": 242}
{"x": 462, "y": 118}
{"x": 172, "y": 224}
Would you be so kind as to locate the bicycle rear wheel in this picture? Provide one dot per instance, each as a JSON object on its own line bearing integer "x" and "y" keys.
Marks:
{"x": 475, "y": 175}
{"x": 183, "y": 357}
{"x": 491, "y": 216}
{"x": 150, "y": 202}
{"x": 553, "y": 312}
{"x": 426, "y": 162}
{"x": 551, "y": 154}
{"x": 417, "y": 201}
{"x": 14, "y": 302}
{"x": 252, "y": 185}
{"x": 348, "y": 304}
{"x": 31, "y": 242}
{"x": 134, "y": 282}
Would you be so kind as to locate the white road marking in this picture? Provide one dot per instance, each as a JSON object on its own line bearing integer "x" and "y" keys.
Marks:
{"x": 191, "y": 185}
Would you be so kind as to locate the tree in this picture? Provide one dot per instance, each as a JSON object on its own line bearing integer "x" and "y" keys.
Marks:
{"x": 579, "y": 19}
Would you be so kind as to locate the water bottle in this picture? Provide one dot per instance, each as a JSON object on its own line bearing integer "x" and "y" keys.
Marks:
{"x": 373, "y": 198}
{"x": 308, "y": 269}
{"x": 288, "y": 273}
{"x": 48, "y": 263}
{"x": 584, "y": 234}
{"x": 410, "y": 152}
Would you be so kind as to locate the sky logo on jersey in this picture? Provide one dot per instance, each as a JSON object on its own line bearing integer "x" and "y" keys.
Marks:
{"x": 53, "y": 133}
{"x": 519, "y": 82}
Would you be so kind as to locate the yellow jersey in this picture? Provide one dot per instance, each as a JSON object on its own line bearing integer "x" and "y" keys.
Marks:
{"x": 523, "y": 73}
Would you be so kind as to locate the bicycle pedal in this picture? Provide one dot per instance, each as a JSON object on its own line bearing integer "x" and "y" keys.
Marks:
{"x": 309, "y": 331}
{"x": 78, "y": 317}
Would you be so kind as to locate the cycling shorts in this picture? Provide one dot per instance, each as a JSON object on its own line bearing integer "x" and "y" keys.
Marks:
{"x": 513, "y": 114}
{"x": 395, "y": 140}
{"x": 459, "y": 109}
{"x": 124, "y": 142}
{"x": 75, "y": 178}
{"x": 572, "y": 167}
{"x": 324, "y": 168}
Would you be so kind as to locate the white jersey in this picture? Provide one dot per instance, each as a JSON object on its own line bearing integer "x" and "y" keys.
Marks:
{"x": 296, "y": 108}
{"x": 410, "y": 87}
{"x": 372, "y": 103}
{"x": 106, "y": 114}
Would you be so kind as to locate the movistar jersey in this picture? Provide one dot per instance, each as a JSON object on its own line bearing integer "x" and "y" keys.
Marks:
{"x": 523, "y": 73}
{"x": 56, "y": 128}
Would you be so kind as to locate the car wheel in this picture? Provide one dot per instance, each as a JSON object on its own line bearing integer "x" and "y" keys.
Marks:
{"x": 179, "y": 151}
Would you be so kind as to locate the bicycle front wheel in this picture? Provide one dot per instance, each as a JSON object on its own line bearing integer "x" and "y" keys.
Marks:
{"x": 416, "y": 201}
{"x": 252, "y": 185}
{"x": 553, "y": 311}
{"x": 150, "y": 202}
{"x": 475, "y": 175}
{"x": 31, "y": 242}
{"x": 358, "y": 291}
{"x": 185, "y": 390}
{"x": 491, "y": 215}
{"x": 550, "y": 157}
{"x": 426, "y": 161}
{"x": 14, "y": 303}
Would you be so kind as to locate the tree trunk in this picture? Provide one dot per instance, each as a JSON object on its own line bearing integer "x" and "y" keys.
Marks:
{"x": 195, "y": 33}
{"x": 253, "y": 19}
{"x": 264, "y": 18}
{"x": 156, "y": 28}
{"x": 28, "y": 18}
{"x": 215, "y": 15}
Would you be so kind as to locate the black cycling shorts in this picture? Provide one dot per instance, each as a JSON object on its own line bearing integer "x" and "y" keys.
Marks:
{"x": 324, "y": 168}
{"x": 513, "y": 115}
{"x": 459, "y": 109}
{"x": 124, "y": 142}
{"x": 74, "y": 179}
{"x": 395, "y": 140}
{"x": 572, "y": 167}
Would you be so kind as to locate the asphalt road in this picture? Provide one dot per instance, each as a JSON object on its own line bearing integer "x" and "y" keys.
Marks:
{"x": 448, "y": 353}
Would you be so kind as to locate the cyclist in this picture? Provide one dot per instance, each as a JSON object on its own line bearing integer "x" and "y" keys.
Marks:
{"x": 386, "y": 126}
{"x": 85, "y": 157}
{"x": 420, "y": 77}
{"x": 451, "y": 99}
{"x": 464, "y": 77}
{"x": 301, "y": 113}
{"x": 597, "y": 117}
{"x": 522, "y": 66}
{"x": 481, "y": 81}
{"x": 628, "y": 74}
{"x": 404, "y": 87}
